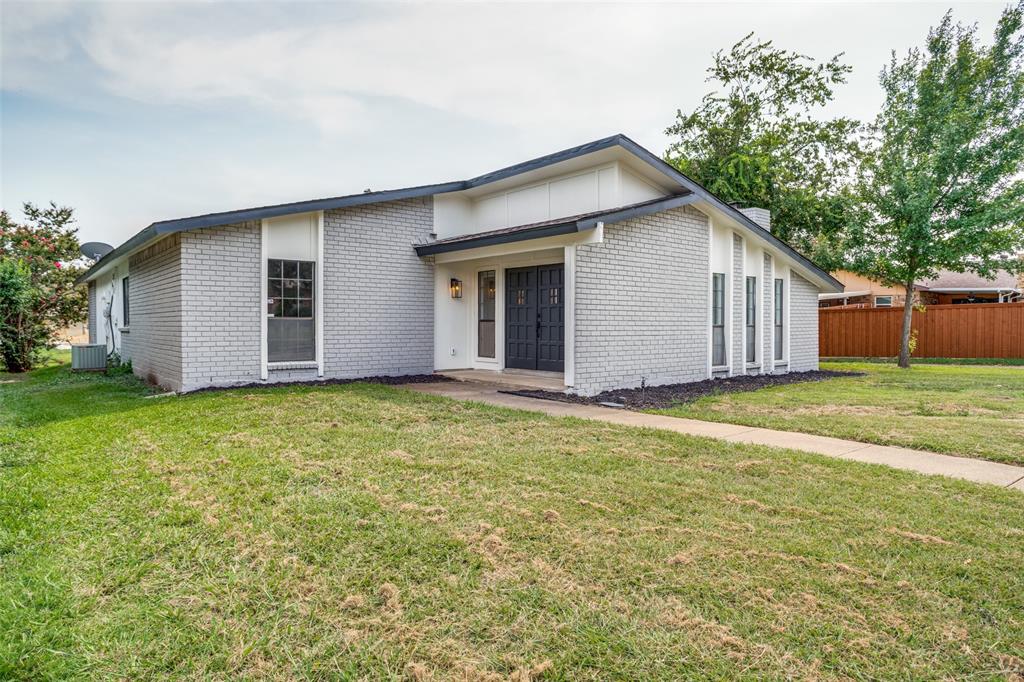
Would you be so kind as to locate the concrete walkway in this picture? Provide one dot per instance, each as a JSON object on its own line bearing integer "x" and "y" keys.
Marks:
{"x": 977, "y": 470}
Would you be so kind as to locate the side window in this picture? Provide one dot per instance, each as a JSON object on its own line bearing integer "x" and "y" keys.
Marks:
{"x": 751, "y": 319}
{"x": 291, "y": 329}
{"x": 780, "y": 352}
{"x": 125, "y": 321}
{"x": 718, "y": 319}
{"x": 485, "y": 317}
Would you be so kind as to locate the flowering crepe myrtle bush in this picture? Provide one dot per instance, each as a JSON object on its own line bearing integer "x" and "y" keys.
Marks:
{"x": 38, "y": 296}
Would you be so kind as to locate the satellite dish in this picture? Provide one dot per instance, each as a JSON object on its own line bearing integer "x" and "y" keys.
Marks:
{"x": 95, "y": 250}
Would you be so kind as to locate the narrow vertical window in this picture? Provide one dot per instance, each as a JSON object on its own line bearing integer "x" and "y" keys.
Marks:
{"x": 124, "y": 302}
{"x": 718, "y": 319}
{"x": 291, "y": 331}
{"x": 779, "y": 350}
{"x": 485, "y": 318}
{"x": 751, "y": 319}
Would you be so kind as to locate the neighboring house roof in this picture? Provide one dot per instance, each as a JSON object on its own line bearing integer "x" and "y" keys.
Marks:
{"x": 551, "y": 228}
{"x": 968, "y": 281}
{"x": 686, "y": 185}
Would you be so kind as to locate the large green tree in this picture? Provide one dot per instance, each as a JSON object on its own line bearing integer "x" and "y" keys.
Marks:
{"x": 38, "y": 296}
{"x": 756, "y": 140}
{"x": 944, "y": 185}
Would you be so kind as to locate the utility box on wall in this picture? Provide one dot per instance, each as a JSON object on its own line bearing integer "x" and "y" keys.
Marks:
{"x": 89, "y": 357}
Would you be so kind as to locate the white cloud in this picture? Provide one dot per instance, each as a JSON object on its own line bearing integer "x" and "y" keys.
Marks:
{"x": 591, "y": 68}
{"x": 374, "y": 95}
{"x": 512, "y": 65}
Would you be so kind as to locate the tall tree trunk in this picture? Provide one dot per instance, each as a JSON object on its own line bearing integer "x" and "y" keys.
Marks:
{"x": 908, "y": 317}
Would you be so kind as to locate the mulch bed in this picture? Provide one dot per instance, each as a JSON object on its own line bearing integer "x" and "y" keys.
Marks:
{"x": 386, "y": 380}
{"x": 660, "y": 397}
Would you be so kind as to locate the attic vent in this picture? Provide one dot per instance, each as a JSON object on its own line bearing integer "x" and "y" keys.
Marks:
{"x": 761, "y": 216}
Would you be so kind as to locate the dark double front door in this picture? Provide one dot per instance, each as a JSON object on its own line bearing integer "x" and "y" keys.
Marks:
{"x": 535, "y": 318}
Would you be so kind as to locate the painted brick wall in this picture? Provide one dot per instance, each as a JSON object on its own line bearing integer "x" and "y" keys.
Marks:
{"x": 641, "y": 303}
{"x": 220, "y": 291}
{"x": 761, "y": 216}
{"x": 767, "y": 316}
{"x": 803, "y": 316}
{"x": 379, "y": 296}
{"x": 739, "y": 291}
{"x": 93, "y": 312}
{"x": 153, "y": 342}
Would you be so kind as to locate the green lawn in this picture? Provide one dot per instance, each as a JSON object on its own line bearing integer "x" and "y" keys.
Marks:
{"x": 967, "y": 410}
{"x": 368, "y": 532}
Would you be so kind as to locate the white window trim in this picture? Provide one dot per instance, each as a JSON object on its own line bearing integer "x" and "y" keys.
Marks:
{"x": 318, "y": 301}
{"x": 474, "y": 330}
{"x": 725, "y": 322}
{"x": 755, "y": 294}
{"x": 783, "y": 274}
{"x": 876, "y": 299}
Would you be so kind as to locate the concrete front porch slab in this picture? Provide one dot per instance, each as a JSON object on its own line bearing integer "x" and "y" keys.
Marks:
{"x": 510, "y": 378}
{"x": 976, "y": 470}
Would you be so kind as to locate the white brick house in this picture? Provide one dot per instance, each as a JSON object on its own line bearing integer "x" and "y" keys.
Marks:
{"x": 600, "y": 264}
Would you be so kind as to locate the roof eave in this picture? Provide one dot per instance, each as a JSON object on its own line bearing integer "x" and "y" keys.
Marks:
{"x": 825, "y": 280}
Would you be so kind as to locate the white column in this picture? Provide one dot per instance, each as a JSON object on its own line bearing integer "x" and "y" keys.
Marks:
{"x": 264, "y": 234}
{"x": 711, "y": 298}
{"x": 319, "y": 299}
{"x": 570, "y": 315}
{"x": 730, "y": 303}
{"x": 787, "y": 298}
{"x": 743, "y": 306}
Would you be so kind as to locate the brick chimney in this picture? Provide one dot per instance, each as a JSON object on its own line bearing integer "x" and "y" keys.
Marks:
{"x": 761, "y": 216}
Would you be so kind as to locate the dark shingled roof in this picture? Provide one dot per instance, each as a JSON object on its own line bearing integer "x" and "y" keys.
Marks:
{"x": 158, "y": 229}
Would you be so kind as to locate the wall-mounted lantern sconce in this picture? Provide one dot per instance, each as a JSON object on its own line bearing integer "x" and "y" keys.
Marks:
{"x": 456, "y": 288}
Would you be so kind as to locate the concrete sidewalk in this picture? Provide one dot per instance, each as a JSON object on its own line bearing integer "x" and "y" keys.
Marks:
{"x": 977, "y": 470}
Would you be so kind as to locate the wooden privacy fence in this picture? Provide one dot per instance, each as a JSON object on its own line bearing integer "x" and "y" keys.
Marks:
{"x": 983, "y": 330}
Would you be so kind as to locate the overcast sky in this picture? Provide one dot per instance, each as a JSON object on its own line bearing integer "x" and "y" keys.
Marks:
{"x": 133, "y": 112}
